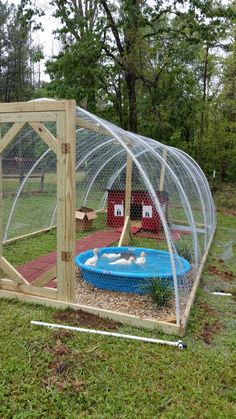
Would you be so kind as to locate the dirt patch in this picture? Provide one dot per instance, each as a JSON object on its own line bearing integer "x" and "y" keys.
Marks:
{"x": 205, "y": 308}
{"x": 225, "y": 275}
{"x": 58, "y": 367}
{"x": 209, "y": 330}
{"x": 210, "y": 326}
{"x": 59, "y": 381}
{"x": 227, "y": 212}
{"x": 81, "y": 318}
{"x": 62, "y": 334}
{"x": 60, "y": 370}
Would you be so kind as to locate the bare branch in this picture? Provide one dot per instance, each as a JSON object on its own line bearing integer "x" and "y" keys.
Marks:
{"x": 113, "y": 27}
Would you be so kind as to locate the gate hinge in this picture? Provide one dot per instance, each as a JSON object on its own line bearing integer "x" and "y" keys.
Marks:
{"x": 65, "y": 148}
{"x": 66, "y": 256}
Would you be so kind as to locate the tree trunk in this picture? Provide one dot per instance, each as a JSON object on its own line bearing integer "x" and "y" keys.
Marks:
{"x": 130, "y": 78}
{"x": 204, "y": 110}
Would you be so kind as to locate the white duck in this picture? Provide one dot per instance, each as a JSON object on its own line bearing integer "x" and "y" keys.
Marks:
{"x": 123, "y": 261}
{"x": 93, "y": 260}
{"x": 141, "y": 260}
{"x": 111, "y": 255}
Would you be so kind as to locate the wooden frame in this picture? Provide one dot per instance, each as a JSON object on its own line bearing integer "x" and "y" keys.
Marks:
{"x": 15, "y": 285}
{"x": 66, "y": 203}
{"x": 126, "y": 231}
{"x": 34, "y": 114}
{"x": 125, "y": 235}
{"x": 24, "y": 236}
{"x": 163, "y": 170}
{"x": 185, "y": 317}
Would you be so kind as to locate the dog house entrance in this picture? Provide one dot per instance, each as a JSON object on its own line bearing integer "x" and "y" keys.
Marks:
{"x": 136, "y": 211}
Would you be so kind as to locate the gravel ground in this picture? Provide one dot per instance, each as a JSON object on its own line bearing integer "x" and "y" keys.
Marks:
{"x": 141, "y": 306}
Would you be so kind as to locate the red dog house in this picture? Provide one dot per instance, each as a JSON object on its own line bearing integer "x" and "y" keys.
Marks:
{"x": 142, "y": 208}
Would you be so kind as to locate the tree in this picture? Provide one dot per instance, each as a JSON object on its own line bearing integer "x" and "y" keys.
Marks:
{"x": 16, "y": 56}
{"x": 225, "y": 120}
{"x": 152, "y": 67}
{"x": 75, "y": 72}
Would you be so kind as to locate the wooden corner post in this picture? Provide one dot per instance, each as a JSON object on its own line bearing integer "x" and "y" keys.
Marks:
{"x": 126, "y": 233}
{"x": 163, "y": 170}
{"x": 66, "y": 202}
{"x": 1, "y": 206}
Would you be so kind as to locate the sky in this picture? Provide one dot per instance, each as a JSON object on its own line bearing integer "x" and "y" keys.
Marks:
{"x": 45, "y": 38}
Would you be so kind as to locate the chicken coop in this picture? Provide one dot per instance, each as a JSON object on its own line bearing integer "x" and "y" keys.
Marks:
{"x": 145, "y": 198}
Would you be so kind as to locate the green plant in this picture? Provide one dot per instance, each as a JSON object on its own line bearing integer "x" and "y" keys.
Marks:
{"x": 161, "y": 293}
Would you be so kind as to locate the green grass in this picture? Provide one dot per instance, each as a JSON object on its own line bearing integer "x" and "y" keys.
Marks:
{"x": 44, "y": 373}
{"x": 30, "y": 248}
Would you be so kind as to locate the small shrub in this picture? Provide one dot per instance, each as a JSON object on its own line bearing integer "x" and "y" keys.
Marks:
{"x": 161, "y": 293}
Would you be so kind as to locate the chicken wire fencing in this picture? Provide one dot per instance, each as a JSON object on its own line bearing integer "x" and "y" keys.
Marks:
{"x": 29, "y": 184}
{"x": 163, "y": 199}
{"x": 171, "y": 214}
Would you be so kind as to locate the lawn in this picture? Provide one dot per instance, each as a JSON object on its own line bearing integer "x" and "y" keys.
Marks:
{"x": 46, "y": 373}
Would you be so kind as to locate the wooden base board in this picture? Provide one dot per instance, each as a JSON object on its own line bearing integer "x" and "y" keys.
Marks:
{"x": 165, "y": 326}
{"x": 185, "y": 317}
{"x": 134, "y": 321}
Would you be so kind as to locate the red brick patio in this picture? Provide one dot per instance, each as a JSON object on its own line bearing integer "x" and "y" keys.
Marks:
{"x": 33, "y": 269}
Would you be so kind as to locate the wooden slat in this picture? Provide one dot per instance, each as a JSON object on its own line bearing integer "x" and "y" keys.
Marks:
{"x": 45, "y": 134}
{"x": 1, "y": 207}
{"x": 45, "y": 277}
{"x": 124, "y": 238}
{"x": 128, "y": 188}
{"x": 185, "y": 317}
{"x": 33, "y": 106}
{"x": 83, "y": 123}
{"x": 95, "y": 127}
{"x": 10, "y": 135}
{"x": 66, "y": 204}
{"x": 128, "y": 185}
{"x": 101, "y": 210}
{"x": 24, "y": 236}
{"x": 163, "y": 170}
{"x": 28, "y": 117}
{"x": 134, "y": 321}
{"x": 11, "y": 272}
{"x": 186, "y": 223}
{"x": 8, "y": 285}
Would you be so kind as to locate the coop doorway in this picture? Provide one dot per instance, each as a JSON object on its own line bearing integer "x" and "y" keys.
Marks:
{"x": 136, "y": 212}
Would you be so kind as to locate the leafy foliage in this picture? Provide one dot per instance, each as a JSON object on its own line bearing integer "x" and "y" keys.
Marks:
{"x": 160, "y": 292}
{"x": 18, "y": 56}
{"x": 164, "y": 69}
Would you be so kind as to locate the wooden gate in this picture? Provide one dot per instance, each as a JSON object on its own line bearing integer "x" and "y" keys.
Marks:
{"x": 35, "y": 114}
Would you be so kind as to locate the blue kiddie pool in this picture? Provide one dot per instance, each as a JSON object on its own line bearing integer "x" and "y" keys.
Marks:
{"x": 131, "y": 278}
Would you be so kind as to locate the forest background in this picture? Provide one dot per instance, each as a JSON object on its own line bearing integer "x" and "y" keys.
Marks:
{"x": 165, "y": 69}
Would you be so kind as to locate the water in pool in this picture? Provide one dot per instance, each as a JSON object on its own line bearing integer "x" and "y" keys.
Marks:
{"x": 157, "y": 263}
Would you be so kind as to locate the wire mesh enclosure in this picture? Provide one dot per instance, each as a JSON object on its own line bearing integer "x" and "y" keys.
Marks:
{"x": 135, "y": 216}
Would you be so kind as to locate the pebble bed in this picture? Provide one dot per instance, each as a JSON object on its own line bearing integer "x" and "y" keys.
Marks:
{"x": 140, "y": 306}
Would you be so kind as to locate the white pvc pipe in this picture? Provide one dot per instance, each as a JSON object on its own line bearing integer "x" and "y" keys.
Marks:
{"x": 20, "y": 189}
{"x": 185, "y": 163}
{"x": 178, "y": 344}
{"x": 157, "y": 204}
{"x": 79, "y": 164}
{"x": 183, "y": 196}
{"x": 204, "y": 184}
{"x": 97, "y": 173}
{"x": 92, "y": 152}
